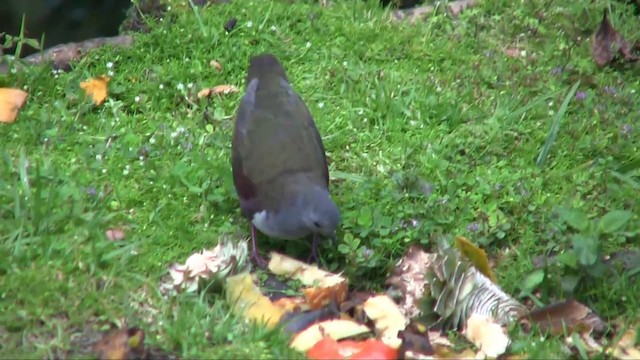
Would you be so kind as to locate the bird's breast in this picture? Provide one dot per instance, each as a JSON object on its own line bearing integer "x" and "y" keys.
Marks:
{"x": 276, "y": 227}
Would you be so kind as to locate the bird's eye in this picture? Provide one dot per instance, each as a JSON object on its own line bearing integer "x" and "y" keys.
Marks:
{"x": 316, "y": 224}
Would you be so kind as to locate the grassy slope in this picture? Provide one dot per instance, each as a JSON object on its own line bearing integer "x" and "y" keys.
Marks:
{"x": 430, "y": 123}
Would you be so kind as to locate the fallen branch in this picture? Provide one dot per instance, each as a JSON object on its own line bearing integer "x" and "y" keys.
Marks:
{"x": 419, "y": 13}
{"x": 61, "y": 55}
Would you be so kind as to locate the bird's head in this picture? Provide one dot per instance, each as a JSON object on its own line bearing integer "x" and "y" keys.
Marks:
{"x": 319, "y": 213}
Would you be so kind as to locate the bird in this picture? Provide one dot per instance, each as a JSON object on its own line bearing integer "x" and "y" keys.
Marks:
{"x": 278, "y": 161}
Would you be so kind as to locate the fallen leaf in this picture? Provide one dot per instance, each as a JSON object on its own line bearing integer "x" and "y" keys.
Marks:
{"x": 97, "y": 88}
{"x": 626, "y": 348}
{"x": 565, "y": 317}
{"x": 387, "y": 318}
{"x": 216, "y": 90}
{"x": 323, "y": 287}
{"x": 228, "y": 258}
{"x": 247, "y": 301}
{"x": 121, "y": 344}
{"x": 11, "y": 100}
{"x": 216, "y": 65}
{"x": 512, "y": 52}
{"x": 476, "y": 256}
{"x": 334, "y": 329}
{"x": 116, "y": 234}
{"x": 607, "y": 43}
{"x": 407, "y": 283}
{"x": 486, "y": 334}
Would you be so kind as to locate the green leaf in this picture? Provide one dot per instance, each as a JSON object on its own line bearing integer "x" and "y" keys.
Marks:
{"x": 532, "y": 281}
{"x": 575, "y": 218}
{"x": 614, "y": 221}
{"x": 586, "y": 249}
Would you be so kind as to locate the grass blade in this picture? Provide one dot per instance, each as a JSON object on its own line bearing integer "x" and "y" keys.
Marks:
{"x": 555, "y": 127}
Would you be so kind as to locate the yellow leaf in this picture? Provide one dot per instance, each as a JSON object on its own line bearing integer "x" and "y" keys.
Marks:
{"x": 387, "y": 317}
{"x": 11, "y": 100}
{"x": 247, "y": 301}
{"x": 216, "y": 65}
{"x": 97, "y": 88}
{"x": 335, "y": 329}
{"x": 476, "y": 256}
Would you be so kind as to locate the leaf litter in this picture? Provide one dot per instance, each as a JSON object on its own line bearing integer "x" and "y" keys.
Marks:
{"x": 428, "y": 296}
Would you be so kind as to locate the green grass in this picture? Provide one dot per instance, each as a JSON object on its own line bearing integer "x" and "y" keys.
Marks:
{"x": 432, "y": 123}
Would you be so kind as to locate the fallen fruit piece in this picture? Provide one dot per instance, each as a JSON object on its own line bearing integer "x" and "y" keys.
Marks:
{"x": 218, "y": 89}
{"x": 96, "y": 88}
{"x": 335, "y": 329}
{"x": 387, "y": 317}
{"x": 328, "y": 348}
{"x": 486, "y": 334}
{"x": 246, "y": 300}
{"x": 120, "y": 344}
{"x": 11, "y": 100}
{"x": 323, "y": 287}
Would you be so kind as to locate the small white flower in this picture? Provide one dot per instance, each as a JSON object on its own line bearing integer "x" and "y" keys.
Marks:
{"x": 321, "y": 105}
{"x": 344, "y": 63}
{"x": 104, "y": 171}
{"x": 110, "y": 73}
{"x": 136, "y": 99}
{"x": 273, "y": 28}
{"x": 99, "y": 157}
{"x": 125, "y": 172}
{"x": 109, "y": 65}
{"x": 249, "y": 24}
{"x": 180, "y": 86}
{"x": 189, "y": 85}
{"x": 161, "y": 86}
{"x": 360, "y": 112}
{"x": 308, "y": 44}
{"x": 141, "y": 158}
{"x": 168, "y": 8}
{"x": 14, "y": 70}
{"x": 152, "y": 140}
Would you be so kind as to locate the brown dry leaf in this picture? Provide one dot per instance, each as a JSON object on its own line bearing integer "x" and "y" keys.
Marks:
{"x": 216, "y": 90}
{"x": 387, "y": 317}
{"x": 486, "y": 334}
{"x": 216, "y": 65}
{"x": 626, "y": 348}
{"x": 115, "y": 234}
{"x": 246, "y": 300}
{"x": 323, "y": 287}
{"x": 121, "y": 344}
{"x": 607, "y": 43}
{"x": 335, "y": 329}
{"x": 512, "y": 52}
{"x": 97, "y": 88}
{"x": 11, "y": 101}
{"x": 565, "y": 317}
{"x": 407, "y": 280}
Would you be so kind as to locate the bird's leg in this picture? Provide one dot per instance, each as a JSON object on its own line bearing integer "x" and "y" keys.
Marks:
{"x": 255, "y": 256}
{"x": 314, "y": 249}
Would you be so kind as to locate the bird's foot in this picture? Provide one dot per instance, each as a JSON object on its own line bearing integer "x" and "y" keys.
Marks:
{"x": 258, "y": 260}
{"x": 314, "y": 250}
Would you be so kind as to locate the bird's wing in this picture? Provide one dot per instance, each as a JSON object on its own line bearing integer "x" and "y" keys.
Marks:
{"x": 277, "y": 135}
